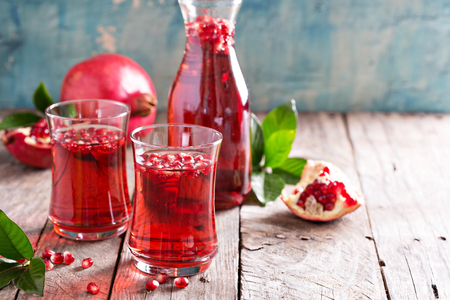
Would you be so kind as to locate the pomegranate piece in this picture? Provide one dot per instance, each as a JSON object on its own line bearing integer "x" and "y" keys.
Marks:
{"x": 93, "y": 288}
{"x": 162, "y": 278}
{"x": 29, "y": 145}
{"x": 87, "y": 263}
{"x": 115, "y": 77}
{"x": 57, "y": 258}
{"x": 324, "y": 193}
{"x": 48, "y": 264}
{"x": 152, "y": 285}
{"x": 47, "y": 253}
{"x": 22, "y": 261}
{"x": 68, "y": 258}
{"x": 181, "y": 282}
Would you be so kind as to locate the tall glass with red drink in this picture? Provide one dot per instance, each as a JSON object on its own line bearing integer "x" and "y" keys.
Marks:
{"x": 173, "y": 227}
{"x": 90, "y": 199}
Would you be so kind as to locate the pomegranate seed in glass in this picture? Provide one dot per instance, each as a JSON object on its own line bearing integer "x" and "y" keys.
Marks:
{"x": 173, "y": 228}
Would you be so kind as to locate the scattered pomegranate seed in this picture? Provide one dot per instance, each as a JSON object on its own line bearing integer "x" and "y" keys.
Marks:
{"x": 48, "y": 264}
{"x": 57, "y": 258}
{"x": 68, "y": 258}
{"x": 93, "y": 288}
{"x": 87, "y": 263}
{"x": 152, "y": 285}
{"x": 181, "y": 282}
{"x": 47, "y": 253}
{"x": 162, "y": 278}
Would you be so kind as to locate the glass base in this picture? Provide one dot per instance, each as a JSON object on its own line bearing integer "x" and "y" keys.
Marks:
{"x": 154, "y": 268}
{"x": 94, "y": 234}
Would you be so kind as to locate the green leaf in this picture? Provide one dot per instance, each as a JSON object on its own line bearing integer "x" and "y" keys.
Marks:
{"x": 42, "y": 98}
{"x": 277, "y": 147}
{"x": 291, "y": 170}
{"x": 9, "y": 270}
{"x": 267, "y": 187}
{"x": 15, "y": 243}
{"x": 33, "y": 278}
{"x": 22, "y": 119}
{"x": 257, "y": 140}
{"x": 283, "y": 117}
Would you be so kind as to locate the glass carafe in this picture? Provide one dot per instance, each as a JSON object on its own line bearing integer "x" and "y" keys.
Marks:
{"x": 210, "y": 90}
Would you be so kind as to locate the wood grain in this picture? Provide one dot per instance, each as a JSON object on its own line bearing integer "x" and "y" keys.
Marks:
{"x": 333, "y": 260}
{"x": 24, "y": 197}
{"x": 219, "y": 282}
{"x": 403, "y": 161}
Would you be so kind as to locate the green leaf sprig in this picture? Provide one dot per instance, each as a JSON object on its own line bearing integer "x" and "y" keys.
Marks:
{"x": 41, "y": 100}
{"x": 28, "y": 276}
{"x": 271, "y": 144}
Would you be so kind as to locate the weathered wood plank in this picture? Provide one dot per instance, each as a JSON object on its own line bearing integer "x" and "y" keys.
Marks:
{"x": 219, "y": 282}
{"x": 403, "y": 161}
{"x": 24, "y": 197}
{"x": 337, "y": 261}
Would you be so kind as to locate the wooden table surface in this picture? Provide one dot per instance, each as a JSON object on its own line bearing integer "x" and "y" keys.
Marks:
{"x": 394, "y": 247}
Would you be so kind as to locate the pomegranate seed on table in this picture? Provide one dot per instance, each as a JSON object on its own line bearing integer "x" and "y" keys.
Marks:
{"x": 93, "y": 288}
{"x": 48, "y": 264}
{"x": 57, "y": 258}
{"x": 162, "y": 278}
{"x": 152, "y": 285}
{"x": 47, "y": 253}
{"x": 68, "y": 258}
{"x": 87, "y": 263}
{"x": 181, "y": 282}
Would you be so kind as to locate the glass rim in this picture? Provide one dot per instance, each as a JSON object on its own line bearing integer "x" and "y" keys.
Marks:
{"x": 206, "y": 145}
{"x": 59, "y": 104}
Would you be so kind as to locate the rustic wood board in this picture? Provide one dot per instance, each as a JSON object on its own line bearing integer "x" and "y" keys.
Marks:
{"x": 337, "y": 261}
{"x": 219, "y": 282}
{"x": 24, "y": 197}
{"x": 403, "y": 161}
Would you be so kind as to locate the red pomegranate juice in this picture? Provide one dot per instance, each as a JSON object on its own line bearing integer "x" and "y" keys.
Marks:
{"x": 90, "y": 193}
{"x": 209, "y": 90}
{"x": 174, "y": 222}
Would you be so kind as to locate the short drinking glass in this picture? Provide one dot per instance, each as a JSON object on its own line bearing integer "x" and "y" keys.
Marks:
{"x": 90, "y": 199}
{"x": 173, "y": 228}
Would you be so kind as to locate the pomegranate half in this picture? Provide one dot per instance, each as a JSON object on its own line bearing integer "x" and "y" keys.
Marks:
{"x": 323, "y": 194}
{"x": 113, "y": 77}
{"x": 29, "y": 145}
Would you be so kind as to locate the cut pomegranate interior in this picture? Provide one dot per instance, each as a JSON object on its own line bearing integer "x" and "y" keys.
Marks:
{"x": 30, "y": 145}
{"x": 324, "y": 193}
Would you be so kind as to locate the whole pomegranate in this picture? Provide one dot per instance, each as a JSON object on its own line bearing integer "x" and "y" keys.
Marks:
{"x": 30, "y": 145}
{"x": 113, "y": 77}
{"x": 324, "y": 193}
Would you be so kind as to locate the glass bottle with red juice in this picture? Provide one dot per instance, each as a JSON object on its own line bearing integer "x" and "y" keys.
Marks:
{"x": 210, "y": 90}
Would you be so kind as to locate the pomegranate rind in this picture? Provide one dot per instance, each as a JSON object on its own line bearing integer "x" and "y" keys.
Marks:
{"x": 26, "y": 150}
{"x": 312, "y": 171}
{"x": 114, "y": 77}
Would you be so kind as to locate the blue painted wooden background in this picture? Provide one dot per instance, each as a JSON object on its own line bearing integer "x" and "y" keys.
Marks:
{"x": 335, "y": 55}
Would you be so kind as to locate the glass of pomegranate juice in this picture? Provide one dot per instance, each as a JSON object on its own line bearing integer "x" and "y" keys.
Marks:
{"x": 90, "y": 199}
{"x": 173, "y": 229}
